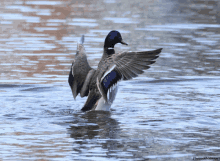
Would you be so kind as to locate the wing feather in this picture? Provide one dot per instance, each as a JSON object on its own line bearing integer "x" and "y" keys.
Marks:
{"x": 130, "y": 64}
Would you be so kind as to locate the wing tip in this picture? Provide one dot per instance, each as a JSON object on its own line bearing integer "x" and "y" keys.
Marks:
{"x": 74, "y": 94}
{"x": 80, "y": 46}
{"x": 155, "y": 57}
{"x": 81, "y": 41}
{"x": 159, "y": 50}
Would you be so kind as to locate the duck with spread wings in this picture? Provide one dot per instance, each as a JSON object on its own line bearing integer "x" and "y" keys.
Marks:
{"x": 101, "y": 85}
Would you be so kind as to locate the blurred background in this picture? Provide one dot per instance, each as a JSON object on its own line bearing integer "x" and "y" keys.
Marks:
{"x": 174, "y": 109}
{"x": 38, "y": 38}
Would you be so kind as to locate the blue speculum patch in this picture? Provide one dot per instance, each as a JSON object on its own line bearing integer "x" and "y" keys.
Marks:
{"x": 112, "y": 78}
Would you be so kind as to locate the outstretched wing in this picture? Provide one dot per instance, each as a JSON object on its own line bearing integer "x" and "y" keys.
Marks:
{"x": 126, "y": 65}
{"x": 80, "y": 72}
{"x": 130, "y": 64}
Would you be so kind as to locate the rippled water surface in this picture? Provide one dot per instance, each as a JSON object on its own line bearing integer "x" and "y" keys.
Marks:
{"x": 171, "y": 112}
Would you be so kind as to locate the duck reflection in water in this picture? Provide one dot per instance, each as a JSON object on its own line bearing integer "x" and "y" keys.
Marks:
{"x": 94, "y": 124}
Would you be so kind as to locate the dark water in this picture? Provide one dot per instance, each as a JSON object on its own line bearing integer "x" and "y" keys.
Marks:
{"x": 171, "y": 112}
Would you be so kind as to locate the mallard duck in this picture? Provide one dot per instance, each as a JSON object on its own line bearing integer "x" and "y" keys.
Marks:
{"x": 101, "y": 85}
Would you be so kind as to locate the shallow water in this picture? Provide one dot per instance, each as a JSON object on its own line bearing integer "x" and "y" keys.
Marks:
{"x": 171, "y": 112}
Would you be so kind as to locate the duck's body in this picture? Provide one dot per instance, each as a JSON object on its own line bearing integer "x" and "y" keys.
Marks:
{"x": 101, "y": 85}
{"x": 95, "y": 99}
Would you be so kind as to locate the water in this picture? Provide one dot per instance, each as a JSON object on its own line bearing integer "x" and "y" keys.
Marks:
{"x": 171, "y": 112}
